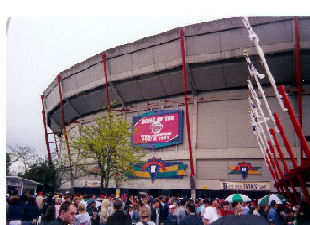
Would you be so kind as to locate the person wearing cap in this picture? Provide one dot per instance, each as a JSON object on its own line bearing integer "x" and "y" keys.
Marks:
{"x": 212, "y": 212}
{"x": 144, "y": 214}
{"x": 226, "y": 210}
{"x": 118, "y": 217}
{"x": 273, "y": 214}
{"x": 191, "y": 218}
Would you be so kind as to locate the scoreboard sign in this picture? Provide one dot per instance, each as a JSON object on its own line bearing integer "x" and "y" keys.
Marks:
{"x": 157, "y": 129}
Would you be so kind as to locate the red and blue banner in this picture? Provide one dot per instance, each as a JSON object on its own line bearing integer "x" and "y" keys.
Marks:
{"x": 244, "y": 168}
{"x": 158, "y": 169}
{"x": 157, "y": 129}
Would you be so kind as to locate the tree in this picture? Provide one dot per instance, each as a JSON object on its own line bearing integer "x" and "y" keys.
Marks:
{"x": 107, "y": 145}
{"x": 42, "y": 173}
{"x": 8, "y": 163}
{"x": 23, "y": 154}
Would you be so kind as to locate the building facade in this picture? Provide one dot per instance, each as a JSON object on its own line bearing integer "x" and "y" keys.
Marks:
{"x": 146, "y": 75}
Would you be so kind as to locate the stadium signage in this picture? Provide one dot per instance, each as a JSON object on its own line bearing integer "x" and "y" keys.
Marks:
{"x": 157, "y": 129}
{"x": 244, "y": 168}
{"x": 247, "y": 186}
{"x": 157, "y": 169}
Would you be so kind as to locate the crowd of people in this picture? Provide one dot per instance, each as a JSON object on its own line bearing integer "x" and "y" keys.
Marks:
{"x": 76, "y": 209}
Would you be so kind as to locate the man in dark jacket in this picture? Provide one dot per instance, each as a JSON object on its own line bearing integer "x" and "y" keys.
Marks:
{"x": 118, "y": 217}
{"x": 93, "y": 212}
{"x": 67, "y": 213}
{"x": 191, "y": 218}
{"x": 155, "y": 211}
{"x": 31, "y": 211}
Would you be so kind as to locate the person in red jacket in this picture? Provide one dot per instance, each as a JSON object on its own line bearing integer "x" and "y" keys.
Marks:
{"x": 226, "y": 210}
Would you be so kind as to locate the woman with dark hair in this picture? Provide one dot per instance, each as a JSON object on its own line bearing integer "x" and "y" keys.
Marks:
{"x": 49, "y": 215}
{"x": 31, "y": 212}
{"x": 15, "y": 211}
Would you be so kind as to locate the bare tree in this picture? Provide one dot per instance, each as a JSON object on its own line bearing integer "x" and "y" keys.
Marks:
{"x": 23, "y": 154}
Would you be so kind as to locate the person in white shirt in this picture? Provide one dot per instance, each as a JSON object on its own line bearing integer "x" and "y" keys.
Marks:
{"x": 212, "y": 212}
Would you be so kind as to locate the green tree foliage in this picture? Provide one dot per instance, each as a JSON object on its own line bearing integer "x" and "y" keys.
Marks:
{"x": 8, "y": 164}
{"x": 107, "y": 145}
{"x": 41, "y": 172}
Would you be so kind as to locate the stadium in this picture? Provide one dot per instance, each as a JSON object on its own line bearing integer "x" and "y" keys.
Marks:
{"x": 146, "y": 77}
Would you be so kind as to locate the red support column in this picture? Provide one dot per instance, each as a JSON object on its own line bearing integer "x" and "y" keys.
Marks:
{"x": 104, "y": 62}
{"x": 64, "y": 124}
{"x": 296, "y": 124}
{"x": 50, "y": 162}
{"x": 292, "y": 157}
{"x": 186, "y": 104}
{"x": 273, "y": 175}
{"x": 281, "y": 173}
{"x": 276, "y": 162}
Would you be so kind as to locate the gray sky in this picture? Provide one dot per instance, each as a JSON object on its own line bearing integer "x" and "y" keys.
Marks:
{"x": 38, "y": 48}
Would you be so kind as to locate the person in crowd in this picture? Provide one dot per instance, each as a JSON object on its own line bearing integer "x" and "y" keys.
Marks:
{"x": 180, "y": 213}
{"x": 191, "y": 218}
{"x": 82, "y": 218}
{"x": 205, "y": 204}
{"x": 212, "y": 212}
{"x": 172, "y": 218}
{"x": 144, "y": 214}
{"x": 238, "y": 210}
{"x": 245, "y": 208}
{"x": 49, "y": 215}
{"x": 128, "y": 202}
{"x": 273, "y": 215}
{"x": 163, "y": 210}
{"x": 104, "y": 212}
{"x": 76, "y": 202}
{"x": 155, "y": 212}
{"x": 57, "y": 206}
{"x": 31, "y": 212}
{"x": 135, "y": 213}
{"x": 15, "y": 211}
{"x": 256, "y": 210}
{"x": 67, "y": 213}
{"x": 226, "y": 210}
{"x": 118, "y": 217}
{"x": 263, "y": 211}
{"x": 93, "y": 212}
{"x": 39, "y": 201}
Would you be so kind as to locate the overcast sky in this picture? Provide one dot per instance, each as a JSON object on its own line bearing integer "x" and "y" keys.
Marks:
{"x": 39, "y": 48}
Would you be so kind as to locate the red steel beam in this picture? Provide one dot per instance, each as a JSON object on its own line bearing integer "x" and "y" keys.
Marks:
{"x": 104, "y": 62}
{"x": 50, "y": 162}
{"x": 292, "y": 157}
{"x": 64, "y": 123}
{"x": 281, "y": 172}
{"x": 274, "y": 176}
{"x": 186, "y": 103}
{"x": 295, "y": 122}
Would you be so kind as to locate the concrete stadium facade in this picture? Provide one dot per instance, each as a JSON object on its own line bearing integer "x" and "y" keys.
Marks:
{"x": 147, "y": 75}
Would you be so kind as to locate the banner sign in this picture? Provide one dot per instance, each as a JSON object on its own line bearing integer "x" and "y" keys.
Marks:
{"x": 92, "y": 183}
{"x": 247, "y": 186}
{"x": 157, "y": 129}
{"x": 158, "y": 169}
{"x": 244, "y": 169}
